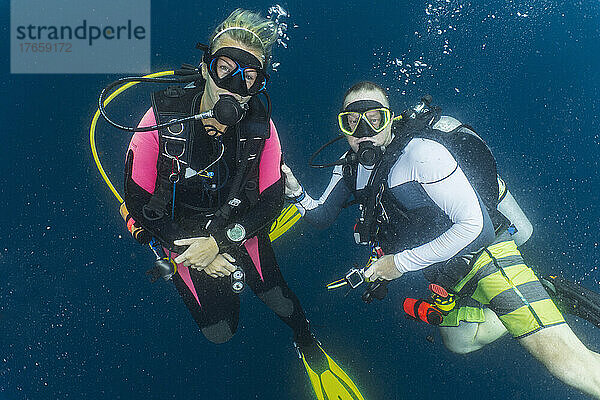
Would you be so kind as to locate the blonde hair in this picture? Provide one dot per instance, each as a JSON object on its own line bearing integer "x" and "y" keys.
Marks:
{"x": 248, "y": 28}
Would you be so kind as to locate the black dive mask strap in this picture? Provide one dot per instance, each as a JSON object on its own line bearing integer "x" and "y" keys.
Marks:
{"x": 205, "y": 49}
{"x": 362, "y": 106}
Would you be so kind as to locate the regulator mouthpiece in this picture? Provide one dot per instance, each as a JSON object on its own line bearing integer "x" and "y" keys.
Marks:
{"x": 228, "y": 111}
{"x": 368, "y": 154}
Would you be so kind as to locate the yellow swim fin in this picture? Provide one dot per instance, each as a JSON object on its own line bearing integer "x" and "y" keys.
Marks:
{"x": 328, "y": 380}
{"x": 288, "y": 217}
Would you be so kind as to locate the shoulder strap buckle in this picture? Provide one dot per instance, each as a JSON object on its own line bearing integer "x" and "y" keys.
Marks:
{"x": 234, "y": 202}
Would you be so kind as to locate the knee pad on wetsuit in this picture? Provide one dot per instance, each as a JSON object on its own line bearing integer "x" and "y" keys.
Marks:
{"x": 275, "y": 300}
{"x": 218, "y": 333}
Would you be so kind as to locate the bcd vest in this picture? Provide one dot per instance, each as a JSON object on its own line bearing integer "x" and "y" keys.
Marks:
{"x": 385, "y": 221}
{"x": 186, "y": 148}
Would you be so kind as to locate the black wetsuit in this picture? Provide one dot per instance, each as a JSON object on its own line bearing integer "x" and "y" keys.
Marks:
{"x": 211, "y": 301}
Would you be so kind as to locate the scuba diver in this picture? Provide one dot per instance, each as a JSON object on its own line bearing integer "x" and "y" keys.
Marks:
{"x": 204, "y": 191}
{"x": 430, "y": 199}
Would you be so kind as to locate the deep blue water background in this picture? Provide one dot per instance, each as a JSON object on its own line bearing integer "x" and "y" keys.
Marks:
{"x": 78, "y": 318}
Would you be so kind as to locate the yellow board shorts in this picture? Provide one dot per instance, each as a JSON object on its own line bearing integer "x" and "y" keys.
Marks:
{"x": 500, "y": 280}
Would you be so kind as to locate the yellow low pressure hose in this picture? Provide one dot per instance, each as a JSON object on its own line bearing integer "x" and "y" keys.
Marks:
{"x": 114, "y": 94}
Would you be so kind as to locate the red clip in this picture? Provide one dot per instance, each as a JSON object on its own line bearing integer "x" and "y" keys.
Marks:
{"x": 437, "y": 289}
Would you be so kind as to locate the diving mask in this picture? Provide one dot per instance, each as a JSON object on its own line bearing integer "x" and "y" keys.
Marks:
{"x": 236, "y": 70}
{"x": 364, "y": 118}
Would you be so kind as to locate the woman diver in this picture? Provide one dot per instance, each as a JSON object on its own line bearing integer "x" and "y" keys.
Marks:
{"x": 209, "y": 190}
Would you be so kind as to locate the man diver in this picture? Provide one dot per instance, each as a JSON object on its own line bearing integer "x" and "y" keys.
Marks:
{"x": 208, "y": 192}
{"x": 426, "y": 208}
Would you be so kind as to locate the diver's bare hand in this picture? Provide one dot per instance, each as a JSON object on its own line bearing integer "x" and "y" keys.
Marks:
{"x": 221, "y": 266}
{"x": 384, "y": 268}
{"x": 201, "y": 253}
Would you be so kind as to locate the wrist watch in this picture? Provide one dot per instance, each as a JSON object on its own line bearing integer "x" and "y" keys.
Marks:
{"x": 236, "y": 233}
{"x": 299, "y": 198}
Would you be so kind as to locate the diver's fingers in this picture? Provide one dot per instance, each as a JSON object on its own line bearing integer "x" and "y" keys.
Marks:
{"x": 225, "y": 260}
{"x": 228, "y": 257}
{"x": 182, "y": 258}
{"x": 211, "y": 272}
{"x": 223, "y": 272}
{"x": 194, "y": 257}
{"x": 198, "y": 251}
{"x": 290, "y": 179}
{"x": 370, "y": 273}
{"x": 185, "y": 256}
{"x": 221, "y": 267}
{"x": 184, "y": 242}
{"x": 229, "y": 267}
{"x": 199, "y": 260}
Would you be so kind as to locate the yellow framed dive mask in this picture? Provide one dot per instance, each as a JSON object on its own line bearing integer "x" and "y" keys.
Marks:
{"x": 376, "y": 119}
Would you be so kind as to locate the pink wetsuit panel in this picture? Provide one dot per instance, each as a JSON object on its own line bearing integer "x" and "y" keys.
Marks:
{"x": 184, "y": 273}
{"x": 269, "y": 168}
{"x": 145, "y": 154}
{"x": 252, "y": 249}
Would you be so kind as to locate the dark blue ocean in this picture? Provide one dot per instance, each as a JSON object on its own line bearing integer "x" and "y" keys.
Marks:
{"x": 78, "y": 318}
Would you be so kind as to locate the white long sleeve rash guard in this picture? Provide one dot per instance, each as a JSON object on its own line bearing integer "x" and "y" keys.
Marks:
{"x": 425, "y": 175}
